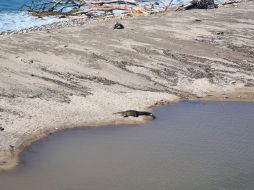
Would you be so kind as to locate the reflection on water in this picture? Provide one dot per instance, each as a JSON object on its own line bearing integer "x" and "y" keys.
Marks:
{"x": 190, "y": 146}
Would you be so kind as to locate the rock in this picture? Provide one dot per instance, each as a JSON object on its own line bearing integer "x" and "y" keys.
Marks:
{"x": 201, "y": 4}
{"x": 36, "y": 95}
{"x": 11, "y": 147}
{"x": 219, "y": 33}
{"x": 1, "y": 129}
{"x": 118, "y": 26}
{"x": 62, "y": 16}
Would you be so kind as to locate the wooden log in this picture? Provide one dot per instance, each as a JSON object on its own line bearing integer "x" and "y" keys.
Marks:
{"x": 109, "y": 8}
{"x": 230, "y": 2}
{"x": 80, "y": 3}
{"x": 130, "y": 6}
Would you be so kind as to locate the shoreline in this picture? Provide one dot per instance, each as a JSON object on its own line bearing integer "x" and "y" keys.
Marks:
{"x": 68, "y": 78}
{"x": 74, "y": 21}
{"x": 71, "y": 21}
{"x": 14, "y": 159}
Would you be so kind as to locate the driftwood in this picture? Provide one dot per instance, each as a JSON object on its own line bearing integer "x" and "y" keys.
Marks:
{"x": 80, "y": 3}
{"x": 93, "y": 8}
{"x": 230, "y": 2}
{"x": 106, "y": 8}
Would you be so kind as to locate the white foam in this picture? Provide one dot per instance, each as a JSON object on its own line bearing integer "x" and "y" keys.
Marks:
{"x": 11, "y": 21}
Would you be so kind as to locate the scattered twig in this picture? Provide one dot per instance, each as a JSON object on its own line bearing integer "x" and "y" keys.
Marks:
{"x": 90, "y": 7}
{"x": 230, "y": 2}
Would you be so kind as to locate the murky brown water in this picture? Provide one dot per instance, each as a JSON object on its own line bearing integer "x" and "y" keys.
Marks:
{"x": 190, "y": 146}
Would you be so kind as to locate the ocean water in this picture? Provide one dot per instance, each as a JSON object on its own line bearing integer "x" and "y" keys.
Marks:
{"x": 12, "y": 5}
{"x": 13, "y": 16}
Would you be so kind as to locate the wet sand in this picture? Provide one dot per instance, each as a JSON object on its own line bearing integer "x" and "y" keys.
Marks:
{"x": 79, "y": 76}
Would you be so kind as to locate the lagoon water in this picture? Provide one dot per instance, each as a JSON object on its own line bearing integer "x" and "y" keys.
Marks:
{"x": 190, "y": 146}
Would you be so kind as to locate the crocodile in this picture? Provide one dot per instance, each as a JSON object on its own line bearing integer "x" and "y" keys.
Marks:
{"x": 135, "y": 113}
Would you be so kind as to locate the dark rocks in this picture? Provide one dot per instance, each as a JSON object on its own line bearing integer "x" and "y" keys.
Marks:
{"x": 201, "y": 4}
{"x": 62, "y": 16}
{"x": 219, "y": 33}
{"x": 11, "y": 147}
{"x": 1, "y": 129}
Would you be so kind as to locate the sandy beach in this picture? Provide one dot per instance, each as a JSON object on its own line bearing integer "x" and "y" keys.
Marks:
{"x": 79, "y": 76}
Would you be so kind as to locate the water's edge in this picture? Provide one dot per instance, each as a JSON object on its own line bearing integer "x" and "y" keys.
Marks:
{"x": 12, "y": 159}
{"x": 22, "y": 22}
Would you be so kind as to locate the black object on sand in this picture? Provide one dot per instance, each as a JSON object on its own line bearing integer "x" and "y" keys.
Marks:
{"x": 201, "y": 4}
{"x": 118, "y": 26}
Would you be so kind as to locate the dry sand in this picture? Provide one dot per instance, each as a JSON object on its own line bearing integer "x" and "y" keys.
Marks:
{"x": 79, "y": 76}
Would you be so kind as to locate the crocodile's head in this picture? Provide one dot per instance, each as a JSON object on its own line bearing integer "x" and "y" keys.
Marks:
{"x": 153, "y": 116}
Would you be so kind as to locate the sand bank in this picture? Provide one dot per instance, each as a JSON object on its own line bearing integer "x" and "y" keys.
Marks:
{"x": 78, "y": 76}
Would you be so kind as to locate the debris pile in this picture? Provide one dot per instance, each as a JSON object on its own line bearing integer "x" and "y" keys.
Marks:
{"x": 97, "y": 8}
{"x": 109, "y": 8}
